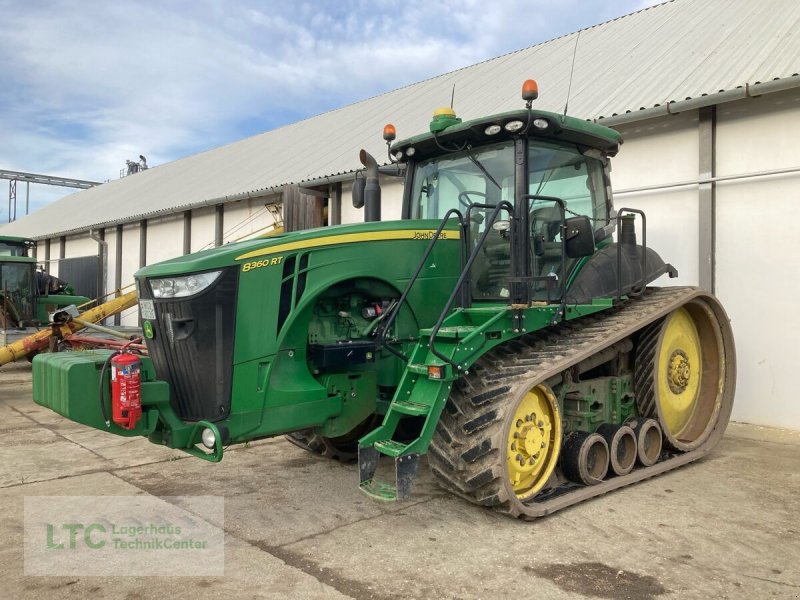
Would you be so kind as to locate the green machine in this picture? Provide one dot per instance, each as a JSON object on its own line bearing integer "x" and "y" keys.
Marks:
{"x": 28, "y": 295}
{"x": 505, "y": 328}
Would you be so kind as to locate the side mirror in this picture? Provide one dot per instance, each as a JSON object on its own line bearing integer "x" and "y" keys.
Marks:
{"x": 358, "y": 192}
{"x": 579, "y": 238}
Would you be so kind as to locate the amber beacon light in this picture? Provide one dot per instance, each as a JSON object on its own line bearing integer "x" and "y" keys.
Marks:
{"x": 530, "y": 90}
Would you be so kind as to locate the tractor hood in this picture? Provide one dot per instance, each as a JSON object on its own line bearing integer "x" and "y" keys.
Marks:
{"x": 260, "y": 249}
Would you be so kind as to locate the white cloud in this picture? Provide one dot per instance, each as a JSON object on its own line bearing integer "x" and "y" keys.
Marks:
{"x": 89, "y": 85}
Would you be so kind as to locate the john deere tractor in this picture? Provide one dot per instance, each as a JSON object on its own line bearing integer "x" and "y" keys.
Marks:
{"x": 504, "y": 327}
{"x": 26, "y": 294}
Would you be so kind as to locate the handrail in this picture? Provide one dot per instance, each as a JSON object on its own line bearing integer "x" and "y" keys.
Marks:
{"x": 619, "y": 252}
{"x": 391, "y": 319}
{"x": 563, "y": 227}
{"x": 504, "y": 205}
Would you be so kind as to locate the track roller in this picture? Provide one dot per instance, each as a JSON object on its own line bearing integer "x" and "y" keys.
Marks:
{"x": 648, "y": 440}
{"x": 584, "y": 457}
{"x": 621, "y": 446}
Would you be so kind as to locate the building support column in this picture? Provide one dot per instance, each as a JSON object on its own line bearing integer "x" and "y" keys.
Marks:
{"x": 143, "y": 243}
{"x": 707, "y": 198}
{"x": 187, "y": 232}
{"x": 335, "y": 203}
{"x": 102, "y": 275}
{"x": 118, "y": 267}
{"x": 62, "y": 251}
{"x": 219, "y": 218}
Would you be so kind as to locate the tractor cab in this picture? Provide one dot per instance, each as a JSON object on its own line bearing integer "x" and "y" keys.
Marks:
{"x": 17, "y": 276}
{"x": 27, "y": 295}
{"x": 531, "y": 187}
{"x": 14, "y": 246}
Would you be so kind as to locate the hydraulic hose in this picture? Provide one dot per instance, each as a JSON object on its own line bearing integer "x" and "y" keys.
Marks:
{"x": 102, "y": 390}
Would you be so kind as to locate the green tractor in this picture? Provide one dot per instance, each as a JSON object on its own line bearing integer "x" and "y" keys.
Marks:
{"x": 28, "y": 295}
{"x": 504, "y": 327}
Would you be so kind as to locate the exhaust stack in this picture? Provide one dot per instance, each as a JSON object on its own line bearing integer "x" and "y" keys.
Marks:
{"x": 372, "y": 188}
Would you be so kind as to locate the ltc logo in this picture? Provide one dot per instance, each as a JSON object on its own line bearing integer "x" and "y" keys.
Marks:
{"x": 75, "y": 532}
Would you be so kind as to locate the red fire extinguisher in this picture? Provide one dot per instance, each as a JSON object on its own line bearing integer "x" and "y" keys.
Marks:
{"x": 126, "y": 390}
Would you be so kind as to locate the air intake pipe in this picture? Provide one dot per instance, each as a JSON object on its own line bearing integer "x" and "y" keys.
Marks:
{"x": 372, "y": 188}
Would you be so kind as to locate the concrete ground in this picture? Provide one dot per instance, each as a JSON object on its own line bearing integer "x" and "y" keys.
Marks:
{"x": 297, "y": 526}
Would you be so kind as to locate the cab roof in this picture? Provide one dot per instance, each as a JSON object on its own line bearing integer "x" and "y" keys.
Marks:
{"x": 559, "y": 128}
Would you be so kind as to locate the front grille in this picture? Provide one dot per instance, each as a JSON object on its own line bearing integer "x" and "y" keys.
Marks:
{"x": 192, "y": 348}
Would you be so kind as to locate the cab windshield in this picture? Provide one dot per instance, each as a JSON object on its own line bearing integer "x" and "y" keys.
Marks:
{"x": 485, "y": 175}
{"x": 16, "y": 290}
{"x": 11, "y": 249}
{"x": 472, "y": 176}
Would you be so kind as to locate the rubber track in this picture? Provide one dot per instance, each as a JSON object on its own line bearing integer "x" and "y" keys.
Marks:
{"x": 643, "y": 380}
{"x": 463, "y": 454}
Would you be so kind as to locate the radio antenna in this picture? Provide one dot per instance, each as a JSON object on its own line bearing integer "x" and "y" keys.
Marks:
{"x": 453, "y": 96}
{"x": 571, "y": 71}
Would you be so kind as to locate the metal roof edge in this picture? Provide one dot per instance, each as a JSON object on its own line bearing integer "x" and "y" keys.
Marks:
{"x": 748, "y": 90}
{"x": 254, "y": 194}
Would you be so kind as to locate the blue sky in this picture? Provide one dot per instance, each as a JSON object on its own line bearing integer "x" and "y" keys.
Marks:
{"x": 86, "y": 85}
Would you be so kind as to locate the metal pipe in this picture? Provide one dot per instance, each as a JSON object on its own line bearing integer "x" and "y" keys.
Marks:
{"x": 100, "y": 328}
{"x": 393, "y": 315}
{"x": 702, "y": 180}
{"x": 103, "y": 251}
{"x": 503, "y": 205}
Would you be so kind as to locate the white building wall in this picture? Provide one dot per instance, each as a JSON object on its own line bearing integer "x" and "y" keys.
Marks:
{"x": 758, "y": 250}
{"x": 111, "y": 240}
{"x": 130, "y": 264}
{"x": 754, "y": 244}
{"x": 246, "y": 218}
{"x": 660, "y": 152}
{"x": 391, "y": 201}
{"x": 164, "y": 238}
{"x": 203, "y": 226}
{"x": 40, "y": 252}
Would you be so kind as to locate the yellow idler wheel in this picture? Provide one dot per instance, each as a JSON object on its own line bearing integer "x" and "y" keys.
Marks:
{"x": 498, "y": 440}
{"x": 679, "y": 374}
{"x": 533, "y": 442}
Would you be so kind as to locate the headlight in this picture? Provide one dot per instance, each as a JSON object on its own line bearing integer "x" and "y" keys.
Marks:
{"x": 513, "y": 126}
{"x": 208, "y": 438}
{"x": 180, "y": 287}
